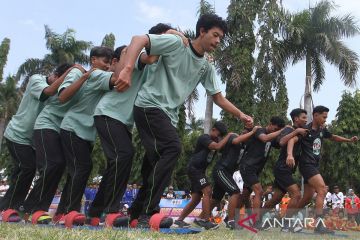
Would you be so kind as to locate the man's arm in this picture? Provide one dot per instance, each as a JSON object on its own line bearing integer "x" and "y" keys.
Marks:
{"x": 137, "y": 43}
{"x": 219, "y": 145}
{"x": 290, "y": 161}
{"x": 284, "y": 140}
{"x": 227, "y": 106}
{"x": 337, "y": 138}
{"x": 67, "y": 93}
{"x": 53, "y": 88}
{"x": 244, "y": 137}
{"x": 268, "y": 137}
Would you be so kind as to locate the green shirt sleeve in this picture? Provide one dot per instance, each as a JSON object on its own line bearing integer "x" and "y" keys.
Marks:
{"x": 163, "y": 44}
{"x": 71, "y": 77}
{"x": 37, "y": 84}
{"x": 208, "y": 80}
{"x": 101, "y": 80}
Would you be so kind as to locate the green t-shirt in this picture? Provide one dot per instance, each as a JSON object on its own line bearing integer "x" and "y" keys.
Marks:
{"x": 54, "y": 111}
{"x": 20, "y": 128}
{"x": 79, "y": 119}
{"x": 120, "y": 106}
{"x": 178, "y": 71}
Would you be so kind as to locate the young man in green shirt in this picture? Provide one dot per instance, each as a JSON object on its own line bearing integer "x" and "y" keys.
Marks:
{"x": 179, "y": 70}
{"x": 19, "y": 133}
{"x": 114, "y": 123}
{"x": 50, "y": 162}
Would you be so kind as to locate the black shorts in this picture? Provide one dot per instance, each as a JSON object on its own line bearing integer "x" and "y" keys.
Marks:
{"x": 250, "y": 176}
{"x": 283, "y": 179}
{"x": 223, "y": 183}
{"x": 198, "y": 179}
{"x": 308, "y": 171}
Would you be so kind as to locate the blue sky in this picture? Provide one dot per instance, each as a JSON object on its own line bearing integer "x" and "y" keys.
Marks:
{"x": 23, "y": 22}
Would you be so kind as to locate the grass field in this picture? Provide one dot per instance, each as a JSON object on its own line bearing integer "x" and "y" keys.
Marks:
{"x": 29, "y": 232}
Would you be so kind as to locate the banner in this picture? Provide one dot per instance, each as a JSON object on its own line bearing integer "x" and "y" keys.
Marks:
{"x": 174, "y": 207}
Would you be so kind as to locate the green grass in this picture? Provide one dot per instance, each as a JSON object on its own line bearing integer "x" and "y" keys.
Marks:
{"x": 29, "y": 232}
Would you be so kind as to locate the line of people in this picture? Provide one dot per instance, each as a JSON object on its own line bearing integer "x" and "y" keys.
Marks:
{"x": 57, "y": 120}
{"x": 300, "y": 146}
{"x": 146, "y": 83}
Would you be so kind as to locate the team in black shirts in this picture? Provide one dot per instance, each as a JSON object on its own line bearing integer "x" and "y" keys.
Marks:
{"x": 309, "y": 161}
{"x": 253, "y": 162}
{"x": 284, "y": 181}
{"x": 300, "y": 146}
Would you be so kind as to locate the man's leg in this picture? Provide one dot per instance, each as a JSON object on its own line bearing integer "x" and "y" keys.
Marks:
{"x": 195, "y": 199}
{"x": 116, "y": 142}
{"x": 50, "y": 164}
{"x": 317, "y": 182}
{"x": 21, "y": 177}
{"x": 79, "y": 164}
{"x": 161, "y": 143}
{"x": 257, "y": 199}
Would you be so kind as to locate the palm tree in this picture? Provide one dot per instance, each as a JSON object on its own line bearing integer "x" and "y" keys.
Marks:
{"x": 315, "y": 36}
{"x": 4, "y": 51}
{"x": 9, "y": 100}
{"x": 64, "y": 48}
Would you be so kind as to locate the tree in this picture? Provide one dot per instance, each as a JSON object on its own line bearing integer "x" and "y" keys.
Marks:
{"x": 235, "y": 59}
{"x": 314, "y": 35}
{"x": 4, "y": 51}
{"x": 109, "y": 41}
{"x": 9, "y": 100}
{"x": 341, "y": 161}
{"x": 64, "y": 48}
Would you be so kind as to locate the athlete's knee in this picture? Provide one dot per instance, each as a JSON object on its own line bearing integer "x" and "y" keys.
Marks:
{"x": 296, "y": 195}
{"x": 321, "y": 190}
{"x": 207, "y": 191}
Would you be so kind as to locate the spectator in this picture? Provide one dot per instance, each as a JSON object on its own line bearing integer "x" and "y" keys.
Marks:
{"x": 352, "y": 204}
{"x": 187, "y": 195}
{"x": 135, "y": 190}
{"x": 170, "y": 194}
{"x": 3, "y": 188}
{"x": 327, "y": 200}
{"x": 128, "y": 195}
{"x": 90, "y": 193}
{"x": 337, "y": 199}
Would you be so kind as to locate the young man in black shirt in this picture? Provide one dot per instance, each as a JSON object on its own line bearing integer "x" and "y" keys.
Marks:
{"x": 206, "y": 147}
{"x": 309, "y": 162}
{"x": 223, "y": 174}
{"x": 284, "y": 181}
{"x": 253, "y": 162}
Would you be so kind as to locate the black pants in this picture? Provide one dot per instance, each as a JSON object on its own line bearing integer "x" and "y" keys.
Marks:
{"x": 21, "y": 177}
{"x": 77, "y": 153}
{"x": 162, "y": 146}
{"x": 116, "y": 142}
{"x": 50, "y": 163}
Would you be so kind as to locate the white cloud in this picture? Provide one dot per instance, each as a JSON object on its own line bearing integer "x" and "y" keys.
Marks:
{"x": 30, "y": 23}
{"x": 152, "y": 13}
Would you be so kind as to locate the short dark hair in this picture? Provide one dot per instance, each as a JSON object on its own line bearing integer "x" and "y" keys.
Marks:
{"x": 117, "y": 52}
{"x": 221, "y": 127}
{"x": 320, "y": 109}
{"x": 296, "y": 113}
{"x": 61, "y": 69}
{"x": 278, "y": 121}
{"x": 160, "y": 28}
{"x": 208, "y": 21}
{"x": 101, "y": 52}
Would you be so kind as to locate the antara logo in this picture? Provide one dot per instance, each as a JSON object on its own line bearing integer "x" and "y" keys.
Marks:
{"x": 273, "y": 223}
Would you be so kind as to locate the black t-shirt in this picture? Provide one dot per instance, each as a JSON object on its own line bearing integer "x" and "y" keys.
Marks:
{"x": 311, "y": 145}
{"x": 230, "y": 156}
{"x": 202, "y": 155}
{"x": 281, "y": 162}
{"x": 257, "y": 151}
